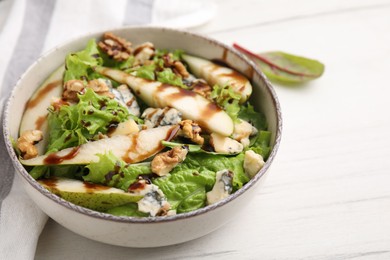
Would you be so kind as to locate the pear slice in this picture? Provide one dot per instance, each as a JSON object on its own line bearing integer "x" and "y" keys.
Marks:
{"x": 131, "y": 148}
{"x": 216, "y": 74}
{"x": 35, "y": 115}
{"x": 89, "y": 195}
{"x": 192, "y": 105}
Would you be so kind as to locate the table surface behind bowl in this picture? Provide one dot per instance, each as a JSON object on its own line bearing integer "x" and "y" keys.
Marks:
{"x": 327, "y": 195}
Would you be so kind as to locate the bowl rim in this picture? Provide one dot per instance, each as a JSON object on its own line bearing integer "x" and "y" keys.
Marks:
{"x": 158, "y": 219}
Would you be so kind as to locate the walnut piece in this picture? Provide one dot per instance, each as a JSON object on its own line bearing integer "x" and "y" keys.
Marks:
{"x": 176, "y": 65}
{"x": 72, "y": 88}
{"x": 116, "y": 47}
{"x": 100, "y": 87}
{"x": 163, "y": 163}
{"x": 191, "y": 130}
{"x": 143, "y": 53}
{"x": 201, "y": 87}
{"x": 26, "y": 143}
{"x": 180, "y": 68}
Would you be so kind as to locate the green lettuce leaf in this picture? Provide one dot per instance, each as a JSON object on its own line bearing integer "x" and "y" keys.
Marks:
{"x": 146, "y": 72}
{"x": 186, "y": 186}
{"x": 261, "y": 144}
{"x": 79, "y": 65}
{"x": 74, "y": 125}
{"x": 114, "y": 172}
{"x": 175, "y": 54}
{"x": 129, "y": 210}
{"x": 71, "y": 126}
{"x": 167, "y": 76}
{"x": 248, "y": 113}
{"x": 228, "y": 99}
{"x": 182, "y": 188}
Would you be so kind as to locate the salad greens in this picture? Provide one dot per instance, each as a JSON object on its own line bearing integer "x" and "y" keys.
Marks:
{"x": 78, "y": 65}
{"x": 177, "y": 176}
{"x": 114, "y": 172}
{"x": 228, "y": 99}
{"x": 284, "y": 67}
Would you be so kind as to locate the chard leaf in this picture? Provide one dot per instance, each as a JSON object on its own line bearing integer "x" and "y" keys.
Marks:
{"x": 284, "y": 67}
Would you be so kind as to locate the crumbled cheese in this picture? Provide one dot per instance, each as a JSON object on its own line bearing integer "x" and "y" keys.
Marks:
{"x": 159, "y": 117}
{"x": 125, "y": 97}
{"x": 253, "y": 162}
{"x": 222, "y": 187}
{"x": 242, "y": 131}
{"x": 154, "y": 201}
{"x": 226, "y": 145}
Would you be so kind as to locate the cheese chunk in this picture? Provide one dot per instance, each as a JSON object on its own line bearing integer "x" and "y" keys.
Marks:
{"x": 222, "y": 187}
{"x": 253, "y": 163}
{"x": 225, "y": 145}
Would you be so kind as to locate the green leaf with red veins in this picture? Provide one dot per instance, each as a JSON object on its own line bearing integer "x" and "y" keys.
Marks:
{"x": 285, "y": 68}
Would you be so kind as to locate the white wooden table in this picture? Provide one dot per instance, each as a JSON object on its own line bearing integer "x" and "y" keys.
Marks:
{"x": 328, "y": 194}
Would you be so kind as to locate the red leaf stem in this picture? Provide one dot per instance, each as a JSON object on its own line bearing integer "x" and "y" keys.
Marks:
{"x": 268, "y": 62}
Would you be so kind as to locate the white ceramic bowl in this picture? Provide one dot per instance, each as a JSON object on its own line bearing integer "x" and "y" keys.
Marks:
{"x": 152, "y": 231}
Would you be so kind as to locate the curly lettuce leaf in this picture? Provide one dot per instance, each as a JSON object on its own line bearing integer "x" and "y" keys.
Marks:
{"x": 175, "y": 54}
{"x": 260, "y": 143}
{"x": 114, "y": 172}
{"x": 145, "y": 72}
{"x": 71, "y": 126}
{"x": 75, "y": 125}
{"x": 79, "y": 65}
{"x": 228, "y": 99}
{"x": 248, "y": 113}
{"x": 167, "y": 76}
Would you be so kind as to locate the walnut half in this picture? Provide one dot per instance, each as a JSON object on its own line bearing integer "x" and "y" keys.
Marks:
{"x": 191, "y": 130}
{"x": 26, "y": 143}
{"x": 116, "y": 47}
{"x": 163, "y": 163}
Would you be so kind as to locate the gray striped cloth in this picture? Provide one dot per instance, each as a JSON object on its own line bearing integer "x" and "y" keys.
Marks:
{"x": 30, "y": 27}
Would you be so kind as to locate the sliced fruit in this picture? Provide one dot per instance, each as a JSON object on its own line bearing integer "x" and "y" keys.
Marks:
{"x": 131, "y": 148}
{"x": 192, "y": 105}
{"x": 216, "y": 74}
{"x": 89, "y": 195}
{"x": 35, "y": 115}
{"x": 125, "y": 128}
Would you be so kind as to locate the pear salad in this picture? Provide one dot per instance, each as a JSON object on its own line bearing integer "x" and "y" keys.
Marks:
{"x": 142, "y": 132}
